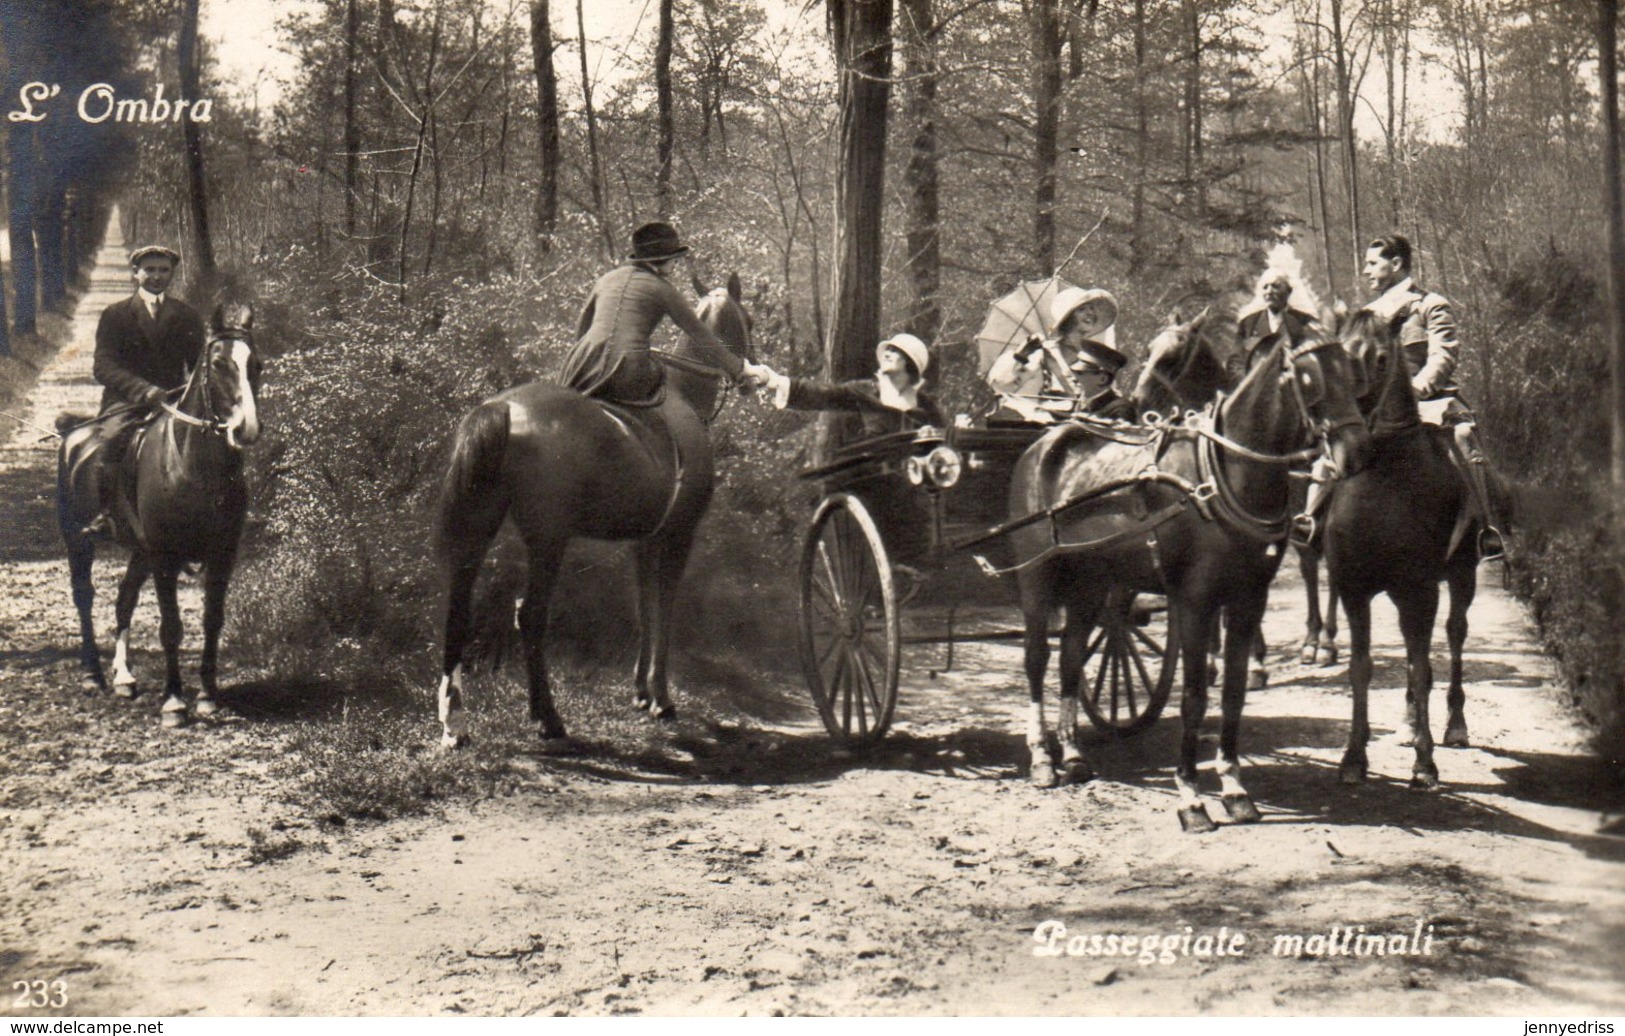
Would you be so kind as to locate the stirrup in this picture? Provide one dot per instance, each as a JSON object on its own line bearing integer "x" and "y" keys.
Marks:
{"x": 101, "y": 525}
{"x": 1304, "y": 530}
{"x": 1491, "y": 544}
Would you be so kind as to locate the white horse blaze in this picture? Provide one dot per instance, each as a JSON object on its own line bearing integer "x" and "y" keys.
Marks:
{"x": 452, "y": 716}
{"x": 122, "y": 677}
{"x": 244, "y": 423}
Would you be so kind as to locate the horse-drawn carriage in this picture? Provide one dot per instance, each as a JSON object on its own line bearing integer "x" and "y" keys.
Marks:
{"x": 897, "y": 555}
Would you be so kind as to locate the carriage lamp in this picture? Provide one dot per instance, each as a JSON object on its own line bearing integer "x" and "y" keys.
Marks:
{"x": 944, "y": 466}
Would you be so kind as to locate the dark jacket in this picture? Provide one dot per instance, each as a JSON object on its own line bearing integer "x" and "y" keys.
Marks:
{"x": 1253, "y": 337}
{"x": 862, "y": 396}
{"x": 611, "y": 356}
{"x": 1111, "y": 406}
{"x": 136, "y": 354}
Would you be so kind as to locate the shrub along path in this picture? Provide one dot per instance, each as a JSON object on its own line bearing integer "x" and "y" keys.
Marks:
{"x": 749, "y": 869}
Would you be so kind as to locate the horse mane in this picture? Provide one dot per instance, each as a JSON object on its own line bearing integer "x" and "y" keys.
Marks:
{"x": 1390, "y": 403}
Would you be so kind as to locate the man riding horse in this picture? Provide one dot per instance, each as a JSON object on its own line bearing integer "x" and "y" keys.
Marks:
{"x": 1425, "y": 325}
{"x": 145, "y": 346}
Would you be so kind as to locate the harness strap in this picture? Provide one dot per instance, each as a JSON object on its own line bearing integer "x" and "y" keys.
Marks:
{"x": 1231, "y": 512}
{"x": 1147, "y": 525}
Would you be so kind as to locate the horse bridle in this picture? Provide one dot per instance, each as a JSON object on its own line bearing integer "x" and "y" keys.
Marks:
{"x": 212, "y": 424}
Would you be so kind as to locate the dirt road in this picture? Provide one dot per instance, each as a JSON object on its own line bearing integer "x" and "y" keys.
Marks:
{"x": 152, "y": 873}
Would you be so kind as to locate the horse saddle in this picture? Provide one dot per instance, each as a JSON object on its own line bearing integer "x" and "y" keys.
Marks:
{"x": 84, "y": 458}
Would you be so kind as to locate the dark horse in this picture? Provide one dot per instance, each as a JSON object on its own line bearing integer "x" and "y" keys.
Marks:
{"x": 1390, "y": 529}
{"x": 562, "y": 465}
{"x": 1198, "y": 512}
{"x": 1199, "y": 376}
{"x": 185, "y": 502}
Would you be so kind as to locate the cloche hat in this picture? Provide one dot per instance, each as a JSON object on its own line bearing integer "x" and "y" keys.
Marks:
{"x": 909, "y": 346}
{"x": 1068, "y": 300}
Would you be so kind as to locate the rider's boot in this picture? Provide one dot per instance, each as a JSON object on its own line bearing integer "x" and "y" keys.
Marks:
{"x": 1491, "y": 544}
{"x": 1306, "y": 524}
{"x": 106, "y": 477}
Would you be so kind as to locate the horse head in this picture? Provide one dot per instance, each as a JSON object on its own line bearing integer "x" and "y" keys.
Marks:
{"x": 723, "y": 313}
{"x": 1185, "y": 364}
{"x": 222, "y": 393}
{"x": 1384, "y": 390}
{"x": 1323, "y": 387}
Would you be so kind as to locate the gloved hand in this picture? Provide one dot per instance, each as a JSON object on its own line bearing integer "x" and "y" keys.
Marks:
{"x": 1032, "y": 345}
{"x": 153, "y": 396}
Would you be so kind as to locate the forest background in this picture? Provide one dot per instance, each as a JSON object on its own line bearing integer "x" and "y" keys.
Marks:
{"x": 422, "y": 209}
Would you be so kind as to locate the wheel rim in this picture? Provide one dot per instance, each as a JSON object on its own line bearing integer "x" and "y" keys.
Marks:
{"x": 850, "y": 635}
{"x": 1128, "y": 665}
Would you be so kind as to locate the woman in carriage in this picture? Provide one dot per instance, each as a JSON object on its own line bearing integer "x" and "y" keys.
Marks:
{"x": 890, "y": 401}
{"x": 1044, "y": 381}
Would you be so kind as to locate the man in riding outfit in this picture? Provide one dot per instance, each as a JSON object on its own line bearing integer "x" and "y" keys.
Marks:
{"x": 146, "y": 346}
{"x": 611, "y": 357}
{"x": 1425, "y": 326}
{"x": 1044, "y": 381}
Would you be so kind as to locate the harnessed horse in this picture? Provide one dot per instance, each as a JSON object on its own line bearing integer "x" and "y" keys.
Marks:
{"x": 561, "y": 465}
{"x": 187, "y": 504}
{"x": 1196, "y": 512}
{"x": 1390, "y": 529}
{"x": 1200, "y": 375}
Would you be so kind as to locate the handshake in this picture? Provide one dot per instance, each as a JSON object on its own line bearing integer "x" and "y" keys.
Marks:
{"x": 760, "y": 375}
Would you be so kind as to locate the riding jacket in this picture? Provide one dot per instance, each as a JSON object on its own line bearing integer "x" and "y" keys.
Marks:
{"x": 611, "y": 355}
{"x": 1426, "y": 327}
{"x": 139, "y": 356}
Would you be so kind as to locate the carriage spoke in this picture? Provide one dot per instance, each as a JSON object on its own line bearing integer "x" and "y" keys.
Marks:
{"x": 1148, "y": 640}
{"x": 1100, "y": 679}
{"x": 858, "y": 676}
{"x": 1094, "y": 644}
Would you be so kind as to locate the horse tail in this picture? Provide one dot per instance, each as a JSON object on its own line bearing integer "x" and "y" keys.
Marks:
{"x": 473, "y": 483}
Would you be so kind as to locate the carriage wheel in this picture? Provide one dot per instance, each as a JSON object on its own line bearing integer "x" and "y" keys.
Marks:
{"x": 851, "y": 639}
{"x": 1129, "y": 664}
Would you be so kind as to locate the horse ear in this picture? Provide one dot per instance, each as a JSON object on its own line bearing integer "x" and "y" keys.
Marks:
{"x": 1201, "y": 316}
{"x": 735, "y": 289}
{"x": 1173, "y": 317}
{"x": 699, "y": 285}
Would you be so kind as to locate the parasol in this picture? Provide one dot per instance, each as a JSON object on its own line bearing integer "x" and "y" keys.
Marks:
{"x": 1012, "y": 318}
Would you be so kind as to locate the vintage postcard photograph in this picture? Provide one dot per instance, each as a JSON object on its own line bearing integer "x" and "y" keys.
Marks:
{"x": 864, "y": 508}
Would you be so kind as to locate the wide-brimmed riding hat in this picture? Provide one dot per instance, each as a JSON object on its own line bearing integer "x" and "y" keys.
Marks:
{"x": 1069, "y": 300}
{"x": 147, "y": 251}
{"x": 909, "y": 346}
{"x": 653, "y": 242}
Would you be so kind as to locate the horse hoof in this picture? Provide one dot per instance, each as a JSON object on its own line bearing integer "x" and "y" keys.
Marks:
{"x": 1456, "y": 737}
{"x": 173, "y": 719}
{"x": 564, "y": 744}
{"x": 1326, "y": 655}
{"x": 1425, "y": 781}
{"x": 92, "y": 683}
{"x": 1258, "y": 679}
{"x": 1193, "y": 820}
{"x": 666, "y": 714}
{"x": 205, "y": 708}
{"x": 1308, "y": 656}
{"x": 452, "y": 742}
{"x": 1077, "y": 771}
{"x": 641, "y": 702}
{"x": 1352, "y": 773}
{"x": 1042, "y": 774}
{"x": 124, "y": 689}
{"x": 1240, "y": 809}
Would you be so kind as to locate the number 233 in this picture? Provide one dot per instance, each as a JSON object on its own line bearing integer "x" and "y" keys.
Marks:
{"x": 40, "y": 993}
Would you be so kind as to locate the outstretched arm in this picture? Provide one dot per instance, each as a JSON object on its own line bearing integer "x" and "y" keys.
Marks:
{"x": 711, "y": 349}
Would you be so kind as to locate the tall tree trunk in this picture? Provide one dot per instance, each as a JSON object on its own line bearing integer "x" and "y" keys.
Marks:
{"x": 352, "y": 128}
{"x": 1138, "y": 256}
{"x": 21, "y": 201}
{"x": 862, "y": 35}
{"x": 547, "y": 121}
{"x": 417, "y": 150}
{"x": 1608, "y": 81}
{"x": 50, "y": 241}
{"x": 1194, "y": 177}
{"x": 1345, "y": 126}
{"x": 1045, "y": 25}
{"x": 664, "y": 135}
{"x": 920, "y": 175}
{"x": 197, "y": 185}
{"x": 597, "y": 167}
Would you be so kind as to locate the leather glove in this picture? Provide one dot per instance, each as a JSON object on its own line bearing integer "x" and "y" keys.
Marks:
{"x": 153, "y": 396}
{"x": 1032, "y": 345}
